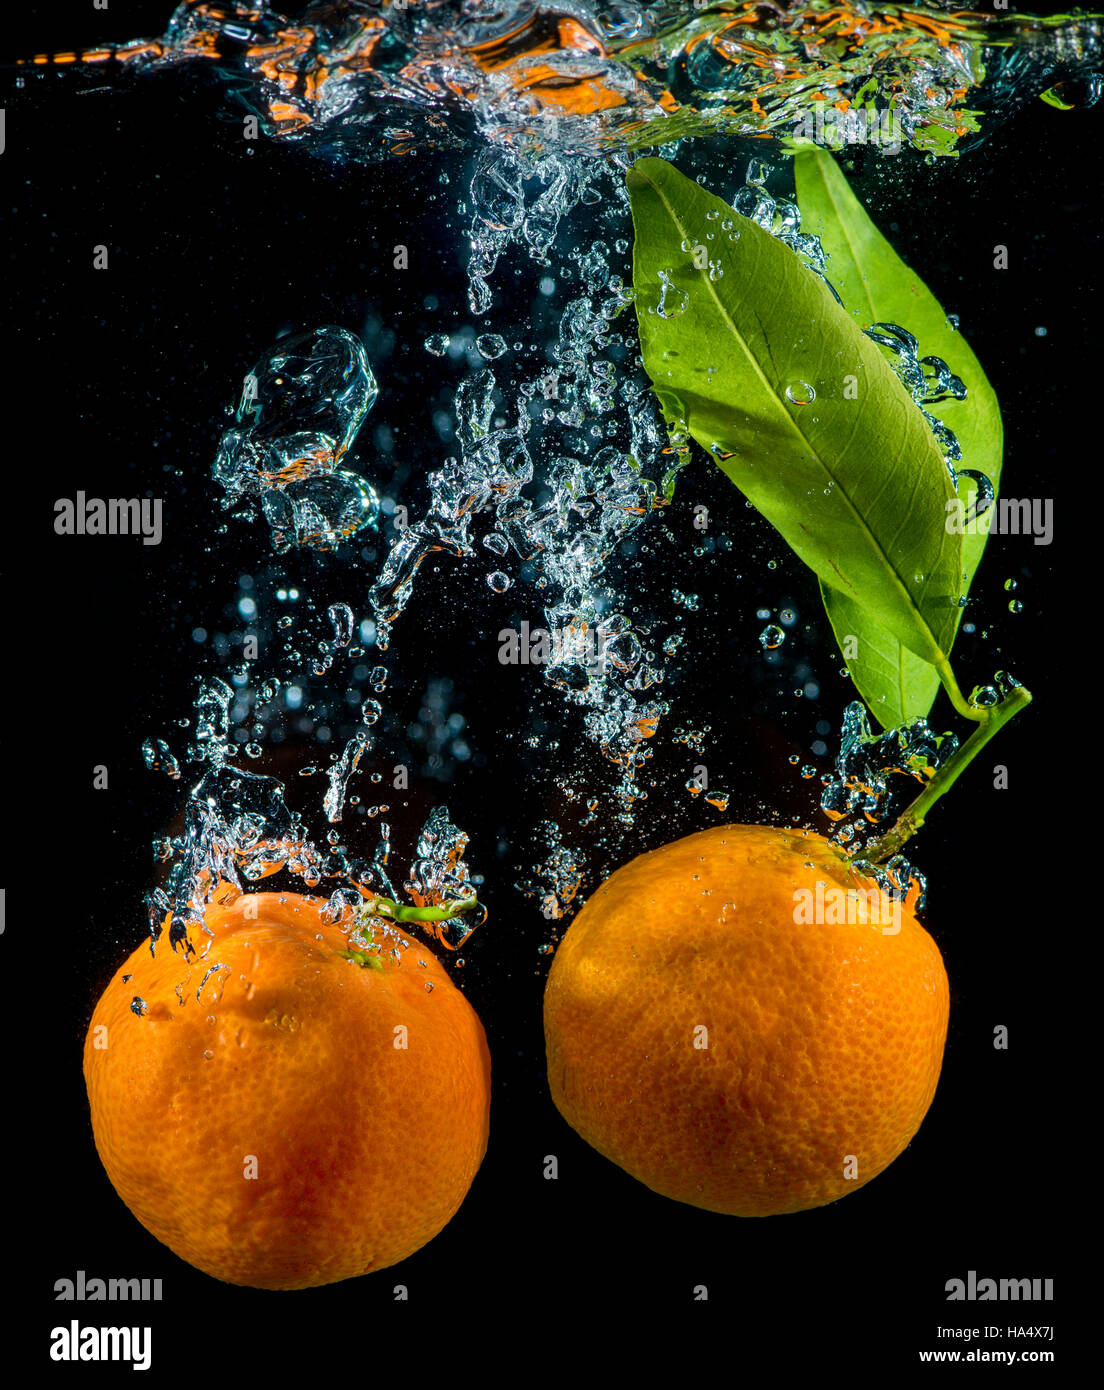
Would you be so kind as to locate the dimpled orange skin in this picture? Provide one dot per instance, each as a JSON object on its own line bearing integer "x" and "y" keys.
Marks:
{"x": 362, "y": 1150}
{"x": 825, "y": 1042}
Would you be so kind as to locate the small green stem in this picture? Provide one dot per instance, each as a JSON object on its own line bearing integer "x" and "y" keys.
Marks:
{"x": 397, "y": 912}
{"x": 978, "y": 713}
{"x": 992, "y": 719}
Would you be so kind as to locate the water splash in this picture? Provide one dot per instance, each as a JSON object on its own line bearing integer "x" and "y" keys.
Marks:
{"x": 866, "y": 761}
{"x": 237, "y": 827}
{"x": 374, "y": 82}
{"x": 928, "y": 380}
{"x": 521, "y": 196}
{"x": 301, "y": 407}
{"x": 567, "y": 457}
{"x": 341, "y": 770}
{"x": 859, "y": 796}
{"x": 439, "y": 875}
{"x": 239, "y": 830}
{"x": 159, "y": 757}
{"x": 555, "y": 880}
{"x": 582, "y": 427}
{"x": 562, "y": 461}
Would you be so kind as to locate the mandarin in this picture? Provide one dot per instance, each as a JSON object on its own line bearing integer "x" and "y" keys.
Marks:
{"x": 281, "y": 1111}
{"x": 709, "y": 1033}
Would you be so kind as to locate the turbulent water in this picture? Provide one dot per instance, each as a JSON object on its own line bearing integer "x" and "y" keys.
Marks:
{"x": 559, "y": 453}
{"x": 373, "y": 80}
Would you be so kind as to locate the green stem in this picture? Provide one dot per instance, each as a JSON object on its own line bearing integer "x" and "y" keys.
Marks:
{"x": 992, "y": 720}
{"x": 978, "y": 713}
{"x": 398, "y": 912}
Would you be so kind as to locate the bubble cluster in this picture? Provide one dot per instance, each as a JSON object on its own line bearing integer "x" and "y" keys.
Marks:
{"x": 301, "y": 407}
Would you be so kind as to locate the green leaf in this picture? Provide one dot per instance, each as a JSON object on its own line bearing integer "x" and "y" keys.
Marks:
{"x": 853, "y": 480}
{"x": 876, "y": 286}
{"x": 896, "y": 685}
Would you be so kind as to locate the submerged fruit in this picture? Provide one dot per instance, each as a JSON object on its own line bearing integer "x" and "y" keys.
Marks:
{"x": 743, "y": 1023}
{"x": 309, "y": 1117}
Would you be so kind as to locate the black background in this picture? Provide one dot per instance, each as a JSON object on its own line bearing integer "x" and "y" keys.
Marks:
{"x": 118, "y": 379}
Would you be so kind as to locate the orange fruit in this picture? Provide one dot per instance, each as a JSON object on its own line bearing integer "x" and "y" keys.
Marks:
{"x": 281, "y": 1115}
{"x": 711, "y": 1037}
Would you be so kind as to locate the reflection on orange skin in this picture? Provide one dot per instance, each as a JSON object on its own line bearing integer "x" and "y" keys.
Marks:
{"x": 281, "y": 63}
{"x": 523, "y": 42}
{"x": 293, "y": 63}
{"x": 278, "y": 62}
{"x": 287, "y": 116}
{"x": 847, "y": 22}
{"x": 570, "y": 95}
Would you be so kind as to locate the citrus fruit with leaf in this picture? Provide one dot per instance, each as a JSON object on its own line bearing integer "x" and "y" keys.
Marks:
{"x": 744, "y": 1023}
{"x": 284, "y": 1110}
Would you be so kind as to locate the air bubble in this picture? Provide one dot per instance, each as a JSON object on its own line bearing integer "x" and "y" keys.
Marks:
{"x": 158, "y": 757}
{"x": 673, "y": 302}
{"x": 341, "y": 616}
